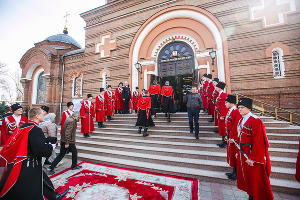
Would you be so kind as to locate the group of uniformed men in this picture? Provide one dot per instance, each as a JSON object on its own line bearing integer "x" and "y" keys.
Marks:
{"x": 244, "y": 135}
{"x": 242, "y": 132}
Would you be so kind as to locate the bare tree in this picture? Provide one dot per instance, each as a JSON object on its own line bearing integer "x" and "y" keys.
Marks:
{"x": 10, "y": 85}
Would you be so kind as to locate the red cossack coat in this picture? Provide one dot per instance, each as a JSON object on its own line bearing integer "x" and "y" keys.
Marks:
{"x": 87, "y": 115}
{"x": 222, "y": 112}
{"x": 109, "y": 103}
{"x": 231, "y": 121}
{"x": 254, "y": 142}
{"x": 100, "y": 108}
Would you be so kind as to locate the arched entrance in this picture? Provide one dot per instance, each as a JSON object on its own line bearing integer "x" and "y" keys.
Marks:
{"x": 194, "y": 26}
{"x": 176, "y": 63}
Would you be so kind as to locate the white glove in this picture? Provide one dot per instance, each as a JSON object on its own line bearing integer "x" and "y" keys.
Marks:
{"x": 53, "y": 146}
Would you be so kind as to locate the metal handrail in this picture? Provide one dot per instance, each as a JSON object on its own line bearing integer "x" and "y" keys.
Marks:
{"x": 274, "y": 113}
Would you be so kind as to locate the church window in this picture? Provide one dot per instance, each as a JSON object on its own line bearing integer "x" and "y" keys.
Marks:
{"x": 75, "y": 87}
{"x": 277, "y": 63}
{"x": 41, "y": 89}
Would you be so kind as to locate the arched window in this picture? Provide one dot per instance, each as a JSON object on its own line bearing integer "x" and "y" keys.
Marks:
{"x": 41, "y": 89}
{"x": 277, "y": 63}
{"x": 75, "y": 87}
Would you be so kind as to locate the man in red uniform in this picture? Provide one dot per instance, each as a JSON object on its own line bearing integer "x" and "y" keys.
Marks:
{"x": 100, "y": 109}
{"x": 231, "y": 121}
{"x": 135, "y": 99}
{"x": 109, "y": 102}
{"x": 204, "y": 94}
{"x": 222, "y": 112}
{"x": 297, "y": 175}
{"x": 167, "y": 100}
{"x": 66, "y": 114}
{"x": 119, "y": 105}
{"x": 154, "y": 91}
{"x": 214, "y": 95}
{"x": 144, "y": 119}
{"x": 209, "y": 91}
{"x": 10, "y": 123}
{"x": 87, "y": 115}
{"x": 253, "y": 161}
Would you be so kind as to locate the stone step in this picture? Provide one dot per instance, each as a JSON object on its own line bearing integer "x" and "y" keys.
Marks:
{"x": 277, "y": 172}
{"x": 214, "y": 155}
{"x": 192, "y": 145}
{"x": 211, "y": 138}
{"x": 211, "y": 128}
{"x": 185, "y": 122}
{"x": 183, "y": 118}
{"x": 278, "y": 184}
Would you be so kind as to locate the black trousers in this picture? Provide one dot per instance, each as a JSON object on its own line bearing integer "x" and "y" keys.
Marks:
{"x": 126, "y": 106}
{"x": 62, "y": 153}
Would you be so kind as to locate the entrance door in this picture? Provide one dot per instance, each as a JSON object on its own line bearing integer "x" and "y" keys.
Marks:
{"x": 176, "y": 64}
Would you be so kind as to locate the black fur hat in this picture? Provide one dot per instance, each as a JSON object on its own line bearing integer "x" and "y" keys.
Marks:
{"x": 247, "y": 102}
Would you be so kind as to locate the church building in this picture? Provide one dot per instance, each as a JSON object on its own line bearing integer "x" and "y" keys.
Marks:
{"x": 251, "y": 45}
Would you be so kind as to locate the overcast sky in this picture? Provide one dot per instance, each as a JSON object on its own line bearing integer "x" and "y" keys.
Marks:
{"x": 25, "y": 22}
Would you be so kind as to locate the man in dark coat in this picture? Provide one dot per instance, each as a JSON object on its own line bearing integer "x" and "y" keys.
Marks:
{"x": 126, "y": 95}
{"x": 22, "y": 176}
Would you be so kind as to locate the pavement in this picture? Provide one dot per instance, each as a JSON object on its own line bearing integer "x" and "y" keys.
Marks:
{"x": 208, "y": 190}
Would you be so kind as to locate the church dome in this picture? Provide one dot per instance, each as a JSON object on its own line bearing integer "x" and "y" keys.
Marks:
{"x": 65, "y": 38}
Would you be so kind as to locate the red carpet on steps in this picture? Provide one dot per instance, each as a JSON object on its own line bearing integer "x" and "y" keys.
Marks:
{"x": 98, "y": 181}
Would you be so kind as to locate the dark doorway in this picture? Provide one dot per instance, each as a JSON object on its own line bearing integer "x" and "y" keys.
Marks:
{"x": 176, "y": 63}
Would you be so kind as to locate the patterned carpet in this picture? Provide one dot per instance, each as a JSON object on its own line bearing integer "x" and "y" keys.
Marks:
{"x": 97, "y": 181}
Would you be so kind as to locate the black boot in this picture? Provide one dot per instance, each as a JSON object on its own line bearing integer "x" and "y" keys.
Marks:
{"x": 140, "y": 130}
{"x": 88, "y": 135}
{"x": 233, "y": 174}
{"x": 84, "y": 135}
{"x": 212, "y": 119}
{"x": 166, "y": 114}
{"x": 169, "y": 117}
{"x": 99, "y": 125}
{"x": 116, "y": 111}
{"x": 250, "y": 197}
{"x": 62, "y": 195}
{"x": 223, "y": 144}
{"x": 145, "y": 132}
{"x": 102, "y": 125}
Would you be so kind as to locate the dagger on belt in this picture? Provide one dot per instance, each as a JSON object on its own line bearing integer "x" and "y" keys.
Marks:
{"x": 239, "y": 147}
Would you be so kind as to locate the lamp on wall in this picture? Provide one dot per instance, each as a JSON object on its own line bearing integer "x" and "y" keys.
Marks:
{"x": 212, "y": 55}
{"x": 138, "y": 67}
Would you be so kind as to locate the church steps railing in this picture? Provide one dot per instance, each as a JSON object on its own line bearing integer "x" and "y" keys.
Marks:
{"x": 266, "y": 109}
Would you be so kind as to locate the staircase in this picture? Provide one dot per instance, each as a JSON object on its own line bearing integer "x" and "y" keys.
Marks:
{"x": 171, "y": 149}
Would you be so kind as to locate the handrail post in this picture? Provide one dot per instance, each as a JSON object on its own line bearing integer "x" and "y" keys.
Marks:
{"x": 291, "y": 118}
{"x": 276, "y": 114}
{"x": 262, "y": 110}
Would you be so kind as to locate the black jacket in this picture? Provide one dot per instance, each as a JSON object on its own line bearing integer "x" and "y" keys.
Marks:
{"x": 126, "y": 94}
{"x": 193, "y": 101}
{"x": 29, "y": 185}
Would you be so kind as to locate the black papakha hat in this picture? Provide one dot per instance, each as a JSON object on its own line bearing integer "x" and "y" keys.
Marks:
{"x": 231, "y": 98}
{"x": 89, "y": 95}
{"x": 45, "y": 108}
{"x": 136, "y": 87}
{"x": 205, "y": 75}
{"x": 70, "y": 104}
{"x": 108, "y": 86}
{"x": 209, "y": 76}
{"x": 15, "y": 107}
{"x": 101, "y": 89}
{"x": 221, "y": 85}
{"x": 216, "y": 79}
{"x": 247, "y": 102}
